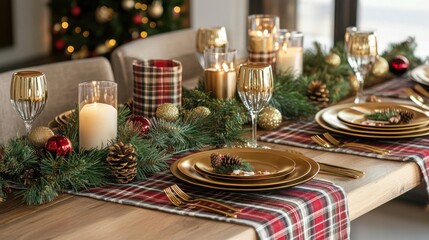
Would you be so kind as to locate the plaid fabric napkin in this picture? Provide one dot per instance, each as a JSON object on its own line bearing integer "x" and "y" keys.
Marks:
{"x": 156, "y": 82}
{"x": 264, "y": 57}
{"x": 413, "y": 149}
{"x": 314, "y": 210}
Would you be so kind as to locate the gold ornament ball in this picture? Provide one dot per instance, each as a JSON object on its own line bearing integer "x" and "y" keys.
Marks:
{"x": 168, "y": 112}
{"x": 380, "y": 68}
{"x": 333, "y": 60}
{"x": 156, "y": 10}
{"x": 269, "y": 118}
{"x": 127, "y": 4}
{"x": 38, "y": 136}
{"x": 201, "y": 111}
{"x": 354, "y": 84}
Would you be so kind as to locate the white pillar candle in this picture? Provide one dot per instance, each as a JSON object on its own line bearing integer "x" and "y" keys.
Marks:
{"x": 289, "y": 59}
{"x": 97, "y": 125}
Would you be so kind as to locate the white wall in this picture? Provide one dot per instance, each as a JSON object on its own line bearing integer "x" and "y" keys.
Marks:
{"x": 31, "y": 26}
{"x": 232, "y": 14}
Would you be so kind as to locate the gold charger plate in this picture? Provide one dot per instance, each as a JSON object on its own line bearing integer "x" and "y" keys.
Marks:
{"x": 310, "y": 175}
{"x": 207, "y": 174}
{"x": 356, "y": 114}
{"x": 186, "y": 166}
{"x": 277, "y": 166}
{"x": 334, "y": 125}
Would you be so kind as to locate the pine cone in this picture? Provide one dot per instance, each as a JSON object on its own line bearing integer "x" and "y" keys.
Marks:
{"x": 27, "y": 176}
{"x": 318, "y": 93}
{"x": 215, "y": 160}
{"x": 406, "y": 116}
{"x": 123, "y": 161}
{"x": 229, "y": 160}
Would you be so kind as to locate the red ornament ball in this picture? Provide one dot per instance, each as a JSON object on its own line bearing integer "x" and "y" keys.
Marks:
{"x": 75, "y": 11}
{"x": 399, "y": 65}
{"x": 137, "y": 19}
{"x": 59, "y": 146}
{"x": 140, "y": 123}
{"x": 60, "y": 44}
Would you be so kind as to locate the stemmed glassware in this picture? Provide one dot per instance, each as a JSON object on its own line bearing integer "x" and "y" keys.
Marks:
{"x": 255, "y": 87}
{"x": 28, "y": 95}
{"x": 211, "y": 37}
{"x": 361, "y": 48}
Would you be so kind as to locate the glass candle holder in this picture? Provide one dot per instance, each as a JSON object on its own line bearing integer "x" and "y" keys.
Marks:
{"x": 290, "y": 52}
{"x": 98, "y": 114}
{"x": 219, "y": 73}
{"x": 262, "y": 32}
{"x": 208, "y": 38}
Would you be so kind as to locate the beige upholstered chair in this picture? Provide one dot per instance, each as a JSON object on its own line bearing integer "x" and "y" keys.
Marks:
{"x": 63, "y": 79}
{"x": 179, "y": 45}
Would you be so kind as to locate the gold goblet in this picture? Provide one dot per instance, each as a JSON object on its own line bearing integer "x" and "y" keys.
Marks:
{"x": 28, "y": 95}
{"x": 255, "y": 87}
{"x": 211, "y": 37}
{"x": 361, "y": 48}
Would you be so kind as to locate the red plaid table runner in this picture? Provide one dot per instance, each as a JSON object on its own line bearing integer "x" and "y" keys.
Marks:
{"x": 299, "y": 133}
{"x": 156, "y": 82}
{"x": 314, "y": 210}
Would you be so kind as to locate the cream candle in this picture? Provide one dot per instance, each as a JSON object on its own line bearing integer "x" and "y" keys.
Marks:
{"x": 289, "y": 59}
{"x": 97, "y": 125}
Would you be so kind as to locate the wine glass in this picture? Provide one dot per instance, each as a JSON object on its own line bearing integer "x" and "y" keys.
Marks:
{"x": 255, "y": 87}
{"x": 28, "y": 95}
{"x": 212, "y": 37}
{"x": 361, "y": 48}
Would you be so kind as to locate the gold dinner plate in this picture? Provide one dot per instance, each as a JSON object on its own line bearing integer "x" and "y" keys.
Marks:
{"x": 221, "y": 177}
{"x": 277, "y": 166}
{"x": 314, "y": 169}
{"x": 186, "y": 166}
{"x": 53, "y": 124}
{"x": 356, "y": 114}
{"x": 327, "y": 119}
{"x": 420, "y": 74}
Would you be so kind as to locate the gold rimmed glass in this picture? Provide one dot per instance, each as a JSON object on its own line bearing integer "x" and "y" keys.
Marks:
{"x": 208, "y": 38}
{"x": 28, "y": 95}
{"x": 361, "y": 48}
{"x": 255, "y": 87}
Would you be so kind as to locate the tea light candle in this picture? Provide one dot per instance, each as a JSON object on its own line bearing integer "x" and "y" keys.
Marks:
{"x": 289, "y": 59}
{"x": 97, "y": 125}
{"x": 221, "y": 81}
{"x": 261, "y": 41}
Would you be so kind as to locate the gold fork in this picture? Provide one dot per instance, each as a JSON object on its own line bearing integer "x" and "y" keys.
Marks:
{"x": 421, "y": 90}
{"x": 179, "y": 203}
{"x": 186, "y": 198}
{"x": 322, "y": 142}
{"x": 416, "y": 98}
{"x": 338, "y": 143}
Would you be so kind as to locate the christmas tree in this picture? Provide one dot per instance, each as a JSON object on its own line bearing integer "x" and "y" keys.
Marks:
{"x": 82, "y": 28}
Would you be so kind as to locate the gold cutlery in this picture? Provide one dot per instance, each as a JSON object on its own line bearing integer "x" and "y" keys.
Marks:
{"x": 186, "y": 198}
{"x": 338, "y": 143}
{"x": 322, "y": 142}
{"x": 179, "y": 203}
{"x": 421, "y": 90}
{"x": 416, "y": 98}
{"x": 339, "y": 173}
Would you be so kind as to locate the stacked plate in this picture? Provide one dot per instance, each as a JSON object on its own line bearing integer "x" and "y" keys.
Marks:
{"x": 349, "y": 119}
{"x": 62, "y": 119}
{"x": 285, "y": 170}
{"x": 421, "y": 74}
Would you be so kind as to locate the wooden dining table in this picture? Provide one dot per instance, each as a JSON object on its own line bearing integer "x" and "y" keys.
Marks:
{"x": 75, "y": 217}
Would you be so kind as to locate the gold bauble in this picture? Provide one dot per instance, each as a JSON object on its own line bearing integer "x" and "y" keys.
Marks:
{"x": 38, "y": 136}
{"x": 127, "y": 4}
{"x": 104, "y": 14}
{"x": 333, "y": 60}
{"x": 156, "y": 9}
{"x": 200, "y": 111}
{"x": 354, "y": 84}
{"x": 380, "y": 67}
{"x": 168, "y": 112}
{"x": 269, "y": 118}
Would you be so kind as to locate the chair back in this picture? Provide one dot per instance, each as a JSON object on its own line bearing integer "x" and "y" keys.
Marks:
{"x": 62, "y": 79}
{"x": 179, "y": 45}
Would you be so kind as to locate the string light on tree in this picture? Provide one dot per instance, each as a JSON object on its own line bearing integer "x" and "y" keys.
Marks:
{"x": 127, "y": 4}
{"x": 156, "y": 9}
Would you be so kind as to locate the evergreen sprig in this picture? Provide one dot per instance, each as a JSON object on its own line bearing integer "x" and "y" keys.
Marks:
{"x": 245, "y": 166}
